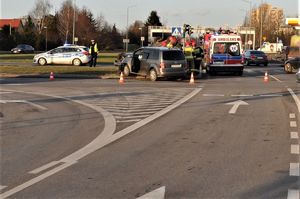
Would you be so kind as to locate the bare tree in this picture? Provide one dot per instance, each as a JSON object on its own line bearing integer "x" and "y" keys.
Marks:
{"x": 39, "y": 12}
{"x": 65, "y": 16}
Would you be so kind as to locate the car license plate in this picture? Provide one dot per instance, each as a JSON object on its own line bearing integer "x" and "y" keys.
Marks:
{"x": 259, "y": 57}
{"x": 219, "y": 62}
{"x": 176, "y": 66}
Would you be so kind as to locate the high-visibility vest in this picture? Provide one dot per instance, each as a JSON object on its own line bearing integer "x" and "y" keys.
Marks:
{"x": 188, "y": 52}
{"x": 95, "y": 48}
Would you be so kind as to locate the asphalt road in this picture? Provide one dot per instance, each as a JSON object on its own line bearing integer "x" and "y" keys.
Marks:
{"x": 223, "y": 137}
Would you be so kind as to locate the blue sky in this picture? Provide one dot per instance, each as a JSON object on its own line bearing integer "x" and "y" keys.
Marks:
{"x": 213, "y": 13}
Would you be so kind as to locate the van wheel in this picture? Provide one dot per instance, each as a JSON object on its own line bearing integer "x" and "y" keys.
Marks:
{"x": 42, "y": 61}
{"x": 76, "y": 62}
{"x": 126, "y": 71}
{"x": 247, "y": 63}
{"x": 288, "y": 68}
{"x": 153, "y": 75}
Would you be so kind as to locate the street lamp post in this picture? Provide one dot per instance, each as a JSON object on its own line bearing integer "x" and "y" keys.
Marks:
{"x": 142, "y": 41}
{"x": 74, "y": 14}
{"x": 250, "y": 16}
{"x": 46, "y": 29}
{"x": 126, "y": 42}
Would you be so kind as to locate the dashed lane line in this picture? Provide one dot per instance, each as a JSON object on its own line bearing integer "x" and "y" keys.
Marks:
{"x": 294, "y": 169}
{"x": 293, "y": 194}
{"x": 294, "y": 135}
{"x": 292, "y": 115}
{"x": 294, "y": 149}
{"x": 293, "y": 124}
{"x": 296, "y": 99}
{"x": 276, "y": 78}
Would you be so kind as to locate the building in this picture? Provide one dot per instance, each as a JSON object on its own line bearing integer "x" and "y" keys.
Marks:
{"x": 15, "y": 25}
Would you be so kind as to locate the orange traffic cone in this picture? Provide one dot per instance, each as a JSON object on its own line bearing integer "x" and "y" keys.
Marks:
{"x": 121, "y": 81}
{"x": 266, "y": 77}
{"x": 192, "y": 80}
{"x": 51, "y": 76}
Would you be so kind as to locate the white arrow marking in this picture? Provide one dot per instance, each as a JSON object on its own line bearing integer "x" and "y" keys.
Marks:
{"x": 23, "y": 101}
{"x": 156, "y": 194}
{"x": 236, "y": 105}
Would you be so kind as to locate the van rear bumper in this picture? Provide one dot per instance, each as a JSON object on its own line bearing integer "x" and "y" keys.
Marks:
{"x": 226, "y": 68}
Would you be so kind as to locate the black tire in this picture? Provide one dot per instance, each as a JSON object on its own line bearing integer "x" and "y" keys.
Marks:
{"x": 76, "y": 62}
{"x": 126, "y": 71}
{"x": 153, "y": 75}
{"x": 288, "y": 68}
{"x": 42, "y": 61}
{"x": 247, "y": 63}
{"x": 265, "y": 64}
{"x": 240, "y": 73}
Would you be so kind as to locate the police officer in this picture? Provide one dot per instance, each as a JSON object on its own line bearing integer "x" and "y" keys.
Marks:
{"x": 94, "y": 53}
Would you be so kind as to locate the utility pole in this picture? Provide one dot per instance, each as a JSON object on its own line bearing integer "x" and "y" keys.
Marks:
{"x": 126, "y": 41}
{"x": 260, "y": 36}
{"x": 46, "y": 29}
{"x": 74, "y": 13}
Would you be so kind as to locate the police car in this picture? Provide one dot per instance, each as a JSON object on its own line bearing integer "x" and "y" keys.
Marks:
{"x": 68, "y": 54}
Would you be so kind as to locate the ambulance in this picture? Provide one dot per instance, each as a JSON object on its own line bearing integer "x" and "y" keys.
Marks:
{"x": 223, "y": 53}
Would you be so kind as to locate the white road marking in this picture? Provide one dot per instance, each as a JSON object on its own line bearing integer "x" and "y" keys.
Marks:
{"x": 293, "y": 194}
{"x": 2, "y": 187}
{"x": 134, "y": 113}
{"x": 127, "y": 121}
{"x": 105, "y": 137}
{"x": 242, "y": 95}
{"x": 294, "y": 149}
{"x": 293, "y": 123}
{"x": 236, "y": 105}
{"x": 156, "y": 194}
{"x": 276, "y": 78}
{"x": 97, "y": 143}
{"x": 42, "y": 168}
{"x": 292, "y": 115}
{"x": 213, "y": 95}
{"x": 294, "y": 135}
{"x": 294, "y": 169}
{"x": 132, "y": 117}
{"x": 296, "y": 99}
{"x": 25, "y": 102}
{"x": 271, "y": 95}
{"x": 1, "y": 92}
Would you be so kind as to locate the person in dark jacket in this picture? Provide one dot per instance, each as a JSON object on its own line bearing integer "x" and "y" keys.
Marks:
{"x": 94, "y": 53}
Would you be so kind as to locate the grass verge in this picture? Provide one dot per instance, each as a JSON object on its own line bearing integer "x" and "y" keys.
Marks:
{"x": 62, "y": 70}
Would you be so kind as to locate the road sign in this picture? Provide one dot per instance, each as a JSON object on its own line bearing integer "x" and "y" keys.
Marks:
{"x": 176, "y": 31}
{"x": 75, "y": 39}
{"x": 142, "y": 38}
{"x": 264, "y": 38}
{"x": 250, "y": 42}
{"x": 126, "y": 40}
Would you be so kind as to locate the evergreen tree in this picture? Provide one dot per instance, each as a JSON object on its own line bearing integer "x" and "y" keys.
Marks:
{"x": 153, "y": 20}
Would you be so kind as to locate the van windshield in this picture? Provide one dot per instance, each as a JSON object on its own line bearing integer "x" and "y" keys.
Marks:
{"x": 173, "y": 55}
{"x": 231, "y": 48}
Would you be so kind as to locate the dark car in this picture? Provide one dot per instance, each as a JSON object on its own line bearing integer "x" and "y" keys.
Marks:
{"x": 292, "y": 64}
{"x": 255, "y": 57}
{"x": 121, "y": 57}
{"x": 155, "y": 62}
{"x": 22, "y": 48}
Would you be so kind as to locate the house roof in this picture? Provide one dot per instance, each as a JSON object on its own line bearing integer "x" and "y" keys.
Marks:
{"x": 15, "y": 23}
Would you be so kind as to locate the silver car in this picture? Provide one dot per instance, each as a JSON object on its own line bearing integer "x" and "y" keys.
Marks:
{"x": 298, "y": 75}
{"x": 75, "y": 55}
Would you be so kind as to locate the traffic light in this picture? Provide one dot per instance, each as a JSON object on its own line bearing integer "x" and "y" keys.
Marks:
{"x": 190, "y": 31}
{"x": 187, "y": 29}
